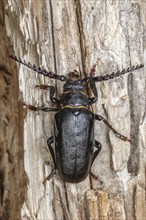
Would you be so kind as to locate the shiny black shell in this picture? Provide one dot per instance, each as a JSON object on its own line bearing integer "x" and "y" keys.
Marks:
{"x": 74, "y": 135}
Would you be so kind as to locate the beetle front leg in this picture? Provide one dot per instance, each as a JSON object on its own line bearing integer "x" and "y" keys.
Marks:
{"x": 50, "y": 141}
{"x": 122, "y": 137}
{"x": 94, "y": 90}
{"x": 52, "y": 92}
{"x": 93, "y": 86}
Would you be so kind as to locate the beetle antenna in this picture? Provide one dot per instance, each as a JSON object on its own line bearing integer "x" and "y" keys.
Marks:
{"x": 112, "y": 75}
{"x": 116, "y": 74}
{"x": 39, "y": 70}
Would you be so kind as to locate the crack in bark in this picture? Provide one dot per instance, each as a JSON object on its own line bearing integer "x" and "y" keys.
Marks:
{"x": 66, "y": 196}
{"x": 65, "y": 209}
{"x": 81, "y": 34}
{"x": 134, "y": 203}
{"x": 53, "y": 36}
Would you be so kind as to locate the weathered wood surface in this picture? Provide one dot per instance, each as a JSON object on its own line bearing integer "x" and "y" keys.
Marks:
{"x": 62, "y": 36}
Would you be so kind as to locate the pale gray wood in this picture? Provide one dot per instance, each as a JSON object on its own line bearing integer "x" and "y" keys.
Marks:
{"x": 62, "y": 36}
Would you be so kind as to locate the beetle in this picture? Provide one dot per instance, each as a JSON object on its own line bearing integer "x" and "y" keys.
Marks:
{"x": 74, "y": 122}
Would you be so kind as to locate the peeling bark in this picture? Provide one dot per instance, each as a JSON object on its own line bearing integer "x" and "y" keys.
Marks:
{"x": 61, "y": 36}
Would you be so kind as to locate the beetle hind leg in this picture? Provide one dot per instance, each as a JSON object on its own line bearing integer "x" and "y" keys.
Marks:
{"x": 50, "y": 142}
{"x": 50, "y": 176}
{"x": 122, "y": 137}
{"x": 98, "y": 146}
{"x": 95, "y": 177}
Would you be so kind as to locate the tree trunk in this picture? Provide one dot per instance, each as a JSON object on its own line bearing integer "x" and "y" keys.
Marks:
{"x": 12, "y": 175}
{"x": 61, "y": 36}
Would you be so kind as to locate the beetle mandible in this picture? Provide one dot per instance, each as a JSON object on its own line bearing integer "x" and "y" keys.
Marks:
{"x": 74, "y": 122}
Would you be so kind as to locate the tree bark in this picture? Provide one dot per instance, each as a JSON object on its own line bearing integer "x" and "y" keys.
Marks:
{"x": 12, "y": 175}
{"x": 61, "y": 36}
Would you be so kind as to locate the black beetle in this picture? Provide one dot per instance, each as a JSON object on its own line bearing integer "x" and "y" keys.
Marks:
{"x": 74, "y": 123}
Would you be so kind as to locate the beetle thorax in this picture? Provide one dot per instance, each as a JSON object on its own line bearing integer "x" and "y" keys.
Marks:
{"x": 74, "y": 94}
{"x": 74, "y": 86}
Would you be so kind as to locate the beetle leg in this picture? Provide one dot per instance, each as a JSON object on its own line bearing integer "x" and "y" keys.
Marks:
{"x": 34, "y": 108}
{"x": 122, "y": 137}
{"x": 50, "y": 176}
{"x": 95, "y": 177}
{"x": 52, "y": 92}
{"x": 93, "y": 86}
{"x": 49, "y": 142}
{"x": 94, "y": 90}
{"x": 53, "y": 99}
{"x": 98, "y": 146}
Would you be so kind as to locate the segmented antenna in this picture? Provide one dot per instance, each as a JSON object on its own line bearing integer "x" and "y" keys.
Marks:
{"x": 39, "y": 70}
{"x": 116, "y": 74}
{"x": 88, "y": 79}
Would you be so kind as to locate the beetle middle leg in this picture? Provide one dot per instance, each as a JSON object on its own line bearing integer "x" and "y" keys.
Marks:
{"x": 98, "y": 146}
{"x": 122, "y": 137}
{"x": 45, "y": 109}
{"x": 50, "y": 142}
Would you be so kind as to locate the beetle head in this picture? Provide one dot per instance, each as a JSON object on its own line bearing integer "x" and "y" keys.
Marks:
{"x": 75, "y": 75}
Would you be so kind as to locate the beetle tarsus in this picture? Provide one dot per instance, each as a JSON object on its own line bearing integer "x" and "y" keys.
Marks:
{"x": 49, "y": 177}
{"x": 95, "y": 177}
